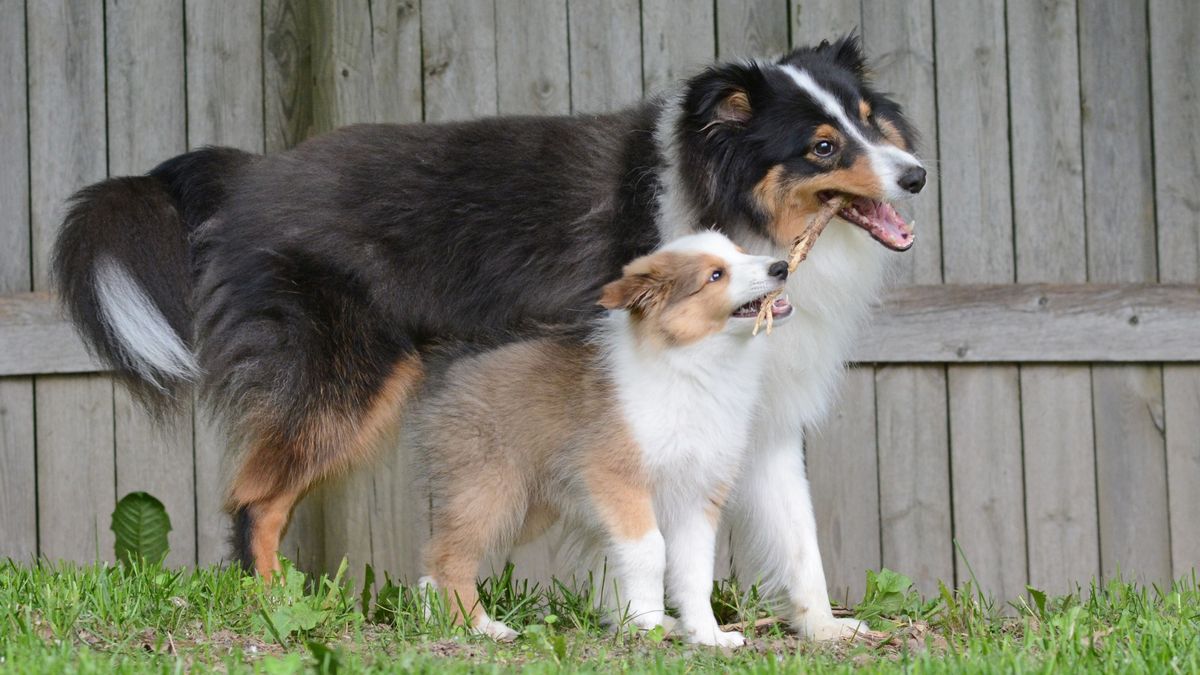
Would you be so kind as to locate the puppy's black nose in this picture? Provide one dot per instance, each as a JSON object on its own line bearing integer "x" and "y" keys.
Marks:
{"x": 912, "y": 180}
{"x": 778, "y": 269}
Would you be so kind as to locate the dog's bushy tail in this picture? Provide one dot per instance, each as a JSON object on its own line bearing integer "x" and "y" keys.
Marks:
{"x": 123, "y": 267}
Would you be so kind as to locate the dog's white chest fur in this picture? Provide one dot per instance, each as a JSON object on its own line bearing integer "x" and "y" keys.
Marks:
{"x": 832, "y": 291}
{"x": 690, "y": 410}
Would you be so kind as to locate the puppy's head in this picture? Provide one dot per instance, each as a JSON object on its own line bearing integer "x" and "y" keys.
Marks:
{"x": 697, "y": 286}
{"x": 771, "y": 142}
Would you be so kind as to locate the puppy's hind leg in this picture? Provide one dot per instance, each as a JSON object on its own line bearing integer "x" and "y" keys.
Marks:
{"x": 477, "y": 517}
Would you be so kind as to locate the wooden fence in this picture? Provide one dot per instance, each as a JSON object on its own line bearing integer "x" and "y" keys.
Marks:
{"x": 1045, "y": 410}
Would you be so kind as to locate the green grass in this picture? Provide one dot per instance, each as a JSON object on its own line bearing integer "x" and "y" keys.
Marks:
{"x": 66, "y": 618}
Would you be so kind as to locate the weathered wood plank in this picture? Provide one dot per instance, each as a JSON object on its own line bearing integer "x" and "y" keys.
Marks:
{"x": 954, "y": 323}
{"x": 67, "y": 151}
{"x": 911, "y": 401}
{"x": 842, "y": 464}
{"x": 606, "y": 54}
{"x": 367, "y": 68}
{"x": 816, "y": 20}
{"x": 1119, "y": 184}
{"x": 531, "y": 57}
{"x": 914, "y": 466}
{"x": 224, "y": 107}
{"x": 751, "y": 29}
{"x": 459, "y": 47}
{"x": 1056, "y": 401}
{"x": 678, "y": 39}
{"x": 985, "y": 421}
{"x": 1174, "y": 53}
{"x": 18, "y": 496}
{"x": 146, "y": 124}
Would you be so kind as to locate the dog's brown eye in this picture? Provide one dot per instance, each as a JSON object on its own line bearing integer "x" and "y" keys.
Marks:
{"x": 823, "y": 148}
{"x": 716, "y": 275}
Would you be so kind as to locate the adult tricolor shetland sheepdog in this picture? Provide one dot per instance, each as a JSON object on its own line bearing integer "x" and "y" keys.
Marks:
{"x": 302, "y": 292}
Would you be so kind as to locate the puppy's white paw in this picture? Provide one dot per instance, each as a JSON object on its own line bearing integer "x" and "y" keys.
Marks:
{"x": 831, "y": 628}
{"x": 497, "y": 630}
{"x": 652, "y": 619}
{"x": 715, "y": 637}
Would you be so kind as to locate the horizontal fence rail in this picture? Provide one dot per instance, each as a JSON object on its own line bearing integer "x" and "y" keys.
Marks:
{"x": 958, "y": 323}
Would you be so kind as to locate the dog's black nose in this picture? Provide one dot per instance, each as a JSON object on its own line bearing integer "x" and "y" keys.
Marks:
{"x": 778, "y": 269}
{"x": 912, "y": 180}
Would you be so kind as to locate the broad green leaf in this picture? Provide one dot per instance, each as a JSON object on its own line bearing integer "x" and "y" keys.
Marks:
{"x": 140, "y": 525}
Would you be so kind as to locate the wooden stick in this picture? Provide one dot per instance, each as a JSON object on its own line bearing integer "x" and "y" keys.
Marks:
{"x": 800, "y": 249}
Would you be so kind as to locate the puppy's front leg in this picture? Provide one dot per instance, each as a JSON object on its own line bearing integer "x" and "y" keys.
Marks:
{"x": 636, "y": 551}
{"x": 691, "y": 551}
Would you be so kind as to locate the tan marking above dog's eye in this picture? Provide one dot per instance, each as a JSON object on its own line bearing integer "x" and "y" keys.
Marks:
{"x": 864, "y": 110}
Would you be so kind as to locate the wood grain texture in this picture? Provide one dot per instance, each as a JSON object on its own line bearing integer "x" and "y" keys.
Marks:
{"x": 985, "y": 423}
{"x": 18, "y": 496}
{"x": 914, "y": 444}
{"x": 147, "y": 124}
{"x": 914, "y": 473}
{"x": 1119, "y": 187}
{"x": 224, "y": 107}
{"x": 1174, "y": 53}
{"x": 816, "y": 20}
{"x": 606, "y": 54}
{"x": 459, "y": 47}
{"x": 752, "y": 29}
{"x": 531, "y": 57}
{"x": 842, "y": 464}
{"x": 678, "y": 39}
{"x": 1048, "y": 207}
{"x": 73, "y": 417}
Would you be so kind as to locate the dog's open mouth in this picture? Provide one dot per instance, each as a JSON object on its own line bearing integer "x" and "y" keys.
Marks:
{"x": 780, "y": 308}
{"x": 879, "y": 219}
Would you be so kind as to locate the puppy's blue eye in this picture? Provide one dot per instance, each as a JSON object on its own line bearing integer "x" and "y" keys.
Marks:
{"x": 824, "y": 148}
{"x": 716, "y": 275}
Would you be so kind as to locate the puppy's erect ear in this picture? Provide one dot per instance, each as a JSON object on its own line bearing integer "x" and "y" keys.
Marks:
{"x": 630, "y": 292}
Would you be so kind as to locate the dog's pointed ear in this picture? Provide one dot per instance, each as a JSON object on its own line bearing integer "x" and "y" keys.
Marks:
{"x": 629, "y": 292}
{"x": 848, "y": 53}
{"x": 845, "y": 52}
{"x": 724, "y": 95}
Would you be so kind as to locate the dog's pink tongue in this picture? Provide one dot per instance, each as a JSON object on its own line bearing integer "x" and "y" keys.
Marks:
{"x": 884, "y": 223}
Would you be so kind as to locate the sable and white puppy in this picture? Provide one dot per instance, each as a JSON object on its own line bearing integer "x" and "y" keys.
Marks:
{"x": 633, "y": 432}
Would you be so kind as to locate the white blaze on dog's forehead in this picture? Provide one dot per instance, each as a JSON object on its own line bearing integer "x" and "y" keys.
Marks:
{"x": 887, "y": 160}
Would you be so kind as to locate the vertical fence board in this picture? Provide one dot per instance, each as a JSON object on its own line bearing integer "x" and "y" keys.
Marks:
{"x": 1056, "y": 401}
{"x": 224, "y": 107}
{"x": 67, "y": 149}
{"x": 751, "y": 29}
{"x": 531, "y": 57}
{"x": 816, "y": 20}
{"x": 841, "y": 462}
{"x": 1119, "y": 189}
{"x": 606, "y": 54}
{"x": 1174, "y": 54}
{"x": 367, "y": 69}
{"x": 840, "y": 454}
{"x": 914, "y": 445}
{"x": 533, "y": 78}
{"x": 146, "y": 124}
{"x": 678, "y": 39}
{"x": 18, "y": 497}
{"x": 459, "y": 52}
{"x": 985, "y": 429}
